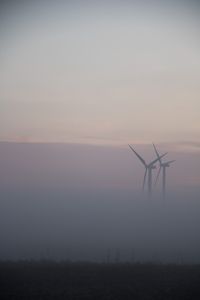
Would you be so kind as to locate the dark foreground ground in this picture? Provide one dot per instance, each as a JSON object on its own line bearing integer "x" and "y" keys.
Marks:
{"x": 48, "y": 280}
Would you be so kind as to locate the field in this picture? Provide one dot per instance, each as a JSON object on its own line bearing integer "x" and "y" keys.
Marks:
{"x": 50, "y": 280}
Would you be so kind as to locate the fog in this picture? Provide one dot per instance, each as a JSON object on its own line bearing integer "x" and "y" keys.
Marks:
{"x": 78, "y": 202}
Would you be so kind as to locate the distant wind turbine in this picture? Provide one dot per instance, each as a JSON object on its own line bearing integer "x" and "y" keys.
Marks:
{"x": 163, "y": 166}
{"x": 148, "y": 170}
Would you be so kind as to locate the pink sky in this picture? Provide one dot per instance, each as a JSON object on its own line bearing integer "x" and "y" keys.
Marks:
{"x": 100, "y": 73}
{"x": 76, "y": 166}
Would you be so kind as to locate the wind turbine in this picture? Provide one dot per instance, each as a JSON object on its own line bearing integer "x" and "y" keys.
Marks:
{"x": 163, "y": 166}
{"x": 148, "y": 170}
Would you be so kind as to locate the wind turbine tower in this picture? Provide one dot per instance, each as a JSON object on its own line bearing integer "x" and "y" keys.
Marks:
{"x": 163, "y": 166}
{"x": 148, "y": 170}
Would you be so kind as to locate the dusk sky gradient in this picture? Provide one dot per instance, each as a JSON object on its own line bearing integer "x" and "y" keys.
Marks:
{"x": 100, "y": 72}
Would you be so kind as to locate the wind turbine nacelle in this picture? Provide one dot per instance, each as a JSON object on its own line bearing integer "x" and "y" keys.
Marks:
{"x": 153, "y": 167}
{"x": 166, "y": 165}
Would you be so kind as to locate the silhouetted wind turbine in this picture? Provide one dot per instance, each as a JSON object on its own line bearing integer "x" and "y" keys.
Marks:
{"x": 163, "y": 166}
{"x": 148, "y": 170}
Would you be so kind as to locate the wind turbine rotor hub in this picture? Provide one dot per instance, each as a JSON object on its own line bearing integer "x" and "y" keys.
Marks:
{"x": 153, "y": 167}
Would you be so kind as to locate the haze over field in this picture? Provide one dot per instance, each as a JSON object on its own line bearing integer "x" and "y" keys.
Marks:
{"x": 79, "y": 80}
{"x": 77, "y": 201}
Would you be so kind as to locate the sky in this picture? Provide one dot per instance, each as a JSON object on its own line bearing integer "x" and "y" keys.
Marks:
{"x": 100, "y": 72}
{"x": 79, "y": 80}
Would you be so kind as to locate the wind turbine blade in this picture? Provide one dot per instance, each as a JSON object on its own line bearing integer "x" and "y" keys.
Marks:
{"x": 154, "y": 161}
{"x": 144, "y": 180}
{"x": 157, "y": 176}
{"x": 156, "y": 152}
{"x": 140, "y": 158}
